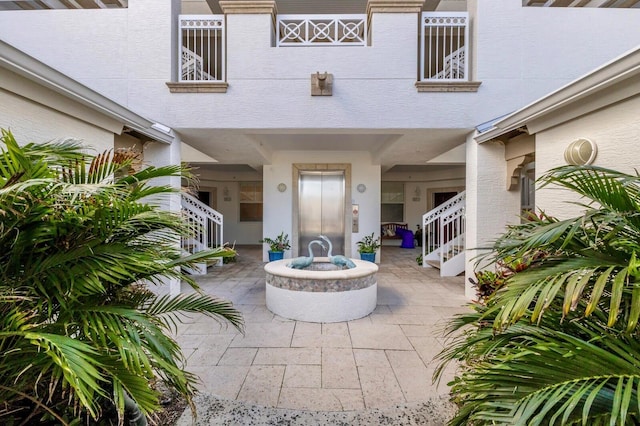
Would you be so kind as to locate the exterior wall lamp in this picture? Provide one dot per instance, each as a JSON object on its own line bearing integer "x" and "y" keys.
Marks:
{"x": 581, "y": 152}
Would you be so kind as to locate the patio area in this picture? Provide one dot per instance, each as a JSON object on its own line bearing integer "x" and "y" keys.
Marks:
{"x": 378, "y": 362}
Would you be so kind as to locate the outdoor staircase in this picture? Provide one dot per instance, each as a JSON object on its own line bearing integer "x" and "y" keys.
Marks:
{"x": 453, "y": 68}
{"x": 443, "y": 232}
{"x": 192, "y": 67}
{"x": 207, "y": 230}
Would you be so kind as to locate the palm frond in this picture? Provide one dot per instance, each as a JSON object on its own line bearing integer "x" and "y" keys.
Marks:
{"x": 78, "y": 330}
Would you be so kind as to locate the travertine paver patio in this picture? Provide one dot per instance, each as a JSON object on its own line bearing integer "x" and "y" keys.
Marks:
{"x": 378, "y": 361}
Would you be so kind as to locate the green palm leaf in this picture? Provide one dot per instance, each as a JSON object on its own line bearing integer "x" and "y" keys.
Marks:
{"x": 558, "y": 343}
{"x": 79, "y": 329}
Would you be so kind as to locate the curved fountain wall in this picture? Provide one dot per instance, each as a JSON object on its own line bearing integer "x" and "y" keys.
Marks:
{"x": 321, "y": 292}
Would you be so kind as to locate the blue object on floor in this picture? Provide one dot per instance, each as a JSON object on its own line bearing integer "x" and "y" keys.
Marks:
{"x": 407, "y": 238}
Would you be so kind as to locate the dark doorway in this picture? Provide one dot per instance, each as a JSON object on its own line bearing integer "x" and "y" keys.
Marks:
{"x": 204, "y": 197}
{"x": 442, "y": 197}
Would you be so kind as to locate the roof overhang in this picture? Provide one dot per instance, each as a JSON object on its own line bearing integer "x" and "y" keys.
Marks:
{"x": 18, "y": 62}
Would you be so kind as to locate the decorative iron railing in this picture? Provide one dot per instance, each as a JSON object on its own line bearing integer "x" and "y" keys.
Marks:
{"x": 321, "y": 30}
{"x": 443, "y": 46}
{"x": 201, "y": 48}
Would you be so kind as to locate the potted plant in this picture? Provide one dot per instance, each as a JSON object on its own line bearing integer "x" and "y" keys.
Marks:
{"x": 368, "y": 246}
{"x": 277, "y": 246}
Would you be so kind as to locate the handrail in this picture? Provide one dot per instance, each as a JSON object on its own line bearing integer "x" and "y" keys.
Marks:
{"x": 443, "y": 230}
{"x": 193, "y": 67}
{"x": 208, "y": 222}
{"x": 431, "y": 215}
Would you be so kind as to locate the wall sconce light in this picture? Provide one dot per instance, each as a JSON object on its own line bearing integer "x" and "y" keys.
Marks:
{"x": 321, "y": 84}
{"x": 416, "y": 194}
{"x": 282, "y": 187}
{"x": 361, "y": 187}
{"x": 581, "y": 152}
{"x": 226, "y": 194}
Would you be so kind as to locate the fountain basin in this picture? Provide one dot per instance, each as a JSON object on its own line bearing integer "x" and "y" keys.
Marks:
{"x": 321, "y": 292}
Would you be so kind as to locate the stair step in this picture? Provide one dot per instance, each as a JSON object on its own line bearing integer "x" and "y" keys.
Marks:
{"x": 216, "y": 261}
{"x": 433, "y": 263}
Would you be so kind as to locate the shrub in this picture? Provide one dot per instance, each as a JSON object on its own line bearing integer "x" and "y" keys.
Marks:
{"x": 558, "y": 342}
{"x": 81, "y": 333}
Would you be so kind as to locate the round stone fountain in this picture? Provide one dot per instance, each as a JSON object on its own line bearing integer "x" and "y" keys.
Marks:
{"x": 322, "y": 292}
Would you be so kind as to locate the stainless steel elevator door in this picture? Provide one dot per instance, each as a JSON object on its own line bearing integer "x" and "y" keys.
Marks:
{"x": 321, "y": 206}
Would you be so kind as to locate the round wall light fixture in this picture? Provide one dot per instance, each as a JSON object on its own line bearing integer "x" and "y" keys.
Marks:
{"x": 282, "y": 187}
{"x": 361, "y": 188}
{"x": 581, "y": 152}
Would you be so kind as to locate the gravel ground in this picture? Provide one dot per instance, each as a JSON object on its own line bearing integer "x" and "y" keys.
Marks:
{"x": 219, "y": 412}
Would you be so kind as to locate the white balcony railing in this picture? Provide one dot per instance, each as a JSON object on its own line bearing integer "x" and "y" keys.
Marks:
{"x": 322, "y": 30}
{"x": 443, "y": 46}
{"x": 201, "y": 48}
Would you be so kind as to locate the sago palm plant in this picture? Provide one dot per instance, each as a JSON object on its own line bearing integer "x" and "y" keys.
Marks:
{"x": 82, "y": 241}
{"x": 558, "y": 343}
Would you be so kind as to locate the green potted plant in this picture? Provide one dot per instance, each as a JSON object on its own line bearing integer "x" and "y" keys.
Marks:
{"x": 277, "y": 246}
{"x": 368, "y": 246}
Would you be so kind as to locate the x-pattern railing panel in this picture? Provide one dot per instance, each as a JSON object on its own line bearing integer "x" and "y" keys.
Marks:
{"x": 322, "y": 30}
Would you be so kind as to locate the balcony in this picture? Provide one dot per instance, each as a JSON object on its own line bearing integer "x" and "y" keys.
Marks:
{"x": 202, "y": 48}
{"x": 202, "y": 54}
{"x": 322, "y": 30}
{"x": 441, "y": 65}
{"x": 444, "y": 39}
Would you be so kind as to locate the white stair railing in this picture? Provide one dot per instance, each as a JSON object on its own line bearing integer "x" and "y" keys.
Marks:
{"x": 443, "y": 236}
{"x": 453, "y": 66}
{"x": 193, "y": 67}
{"x": 207, "y": 228}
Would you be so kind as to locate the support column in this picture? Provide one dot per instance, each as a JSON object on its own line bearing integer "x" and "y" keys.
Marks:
{"x": 161, "y": 154}
{"x": 392, "y": 19}
{"x": 490, "y": 207}
{"x": 251, "y": 27}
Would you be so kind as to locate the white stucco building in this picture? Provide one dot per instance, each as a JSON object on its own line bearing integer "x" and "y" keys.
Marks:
{"x": 407, "y": 116}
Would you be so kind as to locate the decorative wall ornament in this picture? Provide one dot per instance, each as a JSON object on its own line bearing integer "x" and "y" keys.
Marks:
{"x": 321, "y": 84}
{"x": 282, "y": 187}
{"x": 581, "y": 152}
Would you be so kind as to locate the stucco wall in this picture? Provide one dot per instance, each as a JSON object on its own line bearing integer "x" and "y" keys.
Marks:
{"x": 615, "y": 130}
{"x": 278, "y": 207}
{"x": 521, "y": 53}
{"x": 489, "y": 206}
{"x": 89, "y": 45}
{"x": 33, "y": 122}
